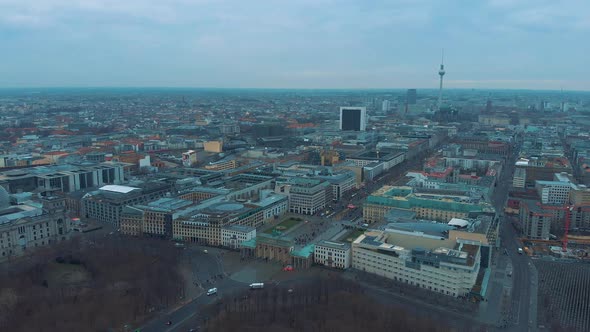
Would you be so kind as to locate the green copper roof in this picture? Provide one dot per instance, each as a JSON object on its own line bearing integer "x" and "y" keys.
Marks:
{"x": 304, "y": 252}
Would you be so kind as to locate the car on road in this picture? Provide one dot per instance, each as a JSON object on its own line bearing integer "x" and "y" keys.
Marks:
{"x": 212, "y": 291}
{"x": 169, "y": 323}
{"x": 205, "y": 251}
{"x": 520, "y": 251}
{"x": 288, "y": 268}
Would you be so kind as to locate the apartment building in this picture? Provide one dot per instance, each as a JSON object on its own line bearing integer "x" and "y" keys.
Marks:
{"x": 439, "y": 265}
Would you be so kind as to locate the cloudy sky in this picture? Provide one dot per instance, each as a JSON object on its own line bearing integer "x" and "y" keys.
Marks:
{"x": 535, "y": 44}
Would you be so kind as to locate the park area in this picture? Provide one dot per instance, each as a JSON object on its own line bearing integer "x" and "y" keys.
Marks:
{"x": 284, "y": 225}
{"x": 104, "y": 284}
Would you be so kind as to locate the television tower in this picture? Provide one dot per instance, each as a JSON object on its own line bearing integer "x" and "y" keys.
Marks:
{"x": 441, "y": 73}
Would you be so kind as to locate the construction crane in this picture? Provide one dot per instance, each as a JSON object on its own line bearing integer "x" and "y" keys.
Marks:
{"x": 568, "y": 216}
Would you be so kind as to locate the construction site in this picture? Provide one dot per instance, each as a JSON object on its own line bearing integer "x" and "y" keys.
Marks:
{"x": 578, "y": 248}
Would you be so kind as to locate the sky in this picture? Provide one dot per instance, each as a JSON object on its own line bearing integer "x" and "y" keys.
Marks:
{"x": 508, "y": 44}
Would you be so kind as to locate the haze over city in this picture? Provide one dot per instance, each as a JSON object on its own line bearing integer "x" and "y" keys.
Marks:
{"x": 299, "y": 44}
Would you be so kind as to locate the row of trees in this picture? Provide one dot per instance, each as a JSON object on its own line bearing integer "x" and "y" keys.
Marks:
{"x": 331, "y": 304}
{"x": 119, "y": 282}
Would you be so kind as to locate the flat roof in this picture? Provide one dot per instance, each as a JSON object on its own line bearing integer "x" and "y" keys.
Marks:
{"x": 240, "y": 228}
{"x": 412, "y": 240}
{"x": 117, "y": 188}
{"x": 458, "y": 222}
{"x": 334, "y": 245}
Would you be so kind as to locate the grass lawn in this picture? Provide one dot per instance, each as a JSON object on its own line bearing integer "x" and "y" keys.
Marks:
{"x": 285, "y": 225}
{"x": 351, "y": 236}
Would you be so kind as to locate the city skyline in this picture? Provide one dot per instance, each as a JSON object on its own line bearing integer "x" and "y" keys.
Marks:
{"x": 308, "y": 44}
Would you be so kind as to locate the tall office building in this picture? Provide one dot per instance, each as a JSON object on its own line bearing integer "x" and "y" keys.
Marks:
{"x": 353, "y": 118}
{"x": 385, "y": 105}
{"x": 411, "y": 96}
{"x": 489, "y": 106}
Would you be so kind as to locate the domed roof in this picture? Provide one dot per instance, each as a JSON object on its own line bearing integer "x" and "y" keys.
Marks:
{"x": 4, "y": 198}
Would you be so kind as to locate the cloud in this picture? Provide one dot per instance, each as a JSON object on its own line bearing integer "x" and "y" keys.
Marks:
{"x": 547, "y": 84}
{"x": 543, "y": 14}
{"x": 294, "y": 43}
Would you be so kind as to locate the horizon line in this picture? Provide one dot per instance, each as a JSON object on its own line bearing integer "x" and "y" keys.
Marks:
{"x": 279, "y": 88}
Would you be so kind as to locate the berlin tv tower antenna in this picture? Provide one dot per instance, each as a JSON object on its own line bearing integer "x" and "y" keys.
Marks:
{"x": 441, "y": 73}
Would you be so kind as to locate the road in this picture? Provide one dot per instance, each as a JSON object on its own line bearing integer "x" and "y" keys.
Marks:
{"x": 208, "y": 271}
{"x": 524, "y": 284}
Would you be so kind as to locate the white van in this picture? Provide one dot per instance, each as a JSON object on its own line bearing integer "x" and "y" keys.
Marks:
{"x": 257, "y": 285}
{"x": 212, "y": 291}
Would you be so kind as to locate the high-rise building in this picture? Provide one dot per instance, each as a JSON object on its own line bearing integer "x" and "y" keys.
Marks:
{"x": 411, "y": 97}
{"x": 489, "y": 106}
{"x": 353, "y": 118}
{"x": 385, "y": 105}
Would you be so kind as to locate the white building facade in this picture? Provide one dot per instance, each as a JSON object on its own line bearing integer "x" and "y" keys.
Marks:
{"x": 333, "y": 254}
{"x": 233, "y": 235}
{"x": 306, "y": 196}
{"x": 553, "y": 192}
{"x": 443, "y": 270}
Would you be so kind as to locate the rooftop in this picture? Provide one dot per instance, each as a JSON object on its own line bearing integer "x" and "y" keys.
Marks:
{"x": 334, "y": 245}
{"x": 240, "y": 228}
{"x": 117, "y": 188}
{"x": 304, "y": 252}
{"x": 403, "y": 198}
